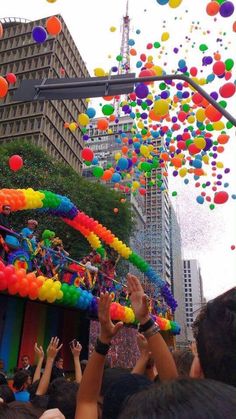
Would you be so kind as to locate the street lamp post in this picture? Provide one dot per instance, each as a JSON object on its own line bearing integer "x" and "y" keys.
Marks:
{"x": 60, "y": 89}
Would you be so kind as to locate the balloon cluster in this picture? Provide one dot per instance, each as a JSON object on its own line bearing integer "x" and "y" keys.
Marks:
{"x": 53, "y": 27}
{"x": 172, "y": 3}
{"x": 224, "y": 7}
{"x": 17, "y": 281}
{"x": 6, "y": 81}
{"x": 91, "y": 229}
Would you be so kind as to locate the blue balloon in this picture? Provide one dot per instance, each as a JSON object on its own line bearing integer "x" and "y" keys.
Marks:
{"x": 123, "y": 163}
{"x": 162, "y": 2}
{"x": 131, "y": 42}
{"x": 182, "y": 64}
{"x": 116, "y": 177}
{"x": 197, "y": 164}
{"x": 39, "y": 34}
{"x": 200, "y": 199}
{"x": 91, "y": 112}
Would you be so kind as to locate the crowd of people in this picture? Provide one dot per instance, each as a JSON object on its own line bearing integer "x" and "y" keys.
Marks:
{"x": 198, "y": 383}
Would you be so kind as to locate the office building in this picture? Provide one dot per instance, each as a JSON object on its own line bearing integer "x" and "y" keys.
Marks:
{"x": 177, "y": 276}
{"x": 41, "y": 123}
{"x": 157, "y": 240}
{"x": 193, "y": 292}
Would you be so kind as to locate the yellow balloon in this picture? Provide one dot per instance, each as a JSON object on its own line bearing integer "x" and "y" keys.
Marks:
{"x": 218, "y": 126}
{"x": 144, "y": 150}
{"x": 205, "y": 158}
{"x": 112, "y": 29}
{"x": 183, "y": 172}
{"x": 165, "y": 36}
{"x": 191, "y": 119}
{"x": 117, "y": 156}
{"x": 83, "y": 119}
{"x": 140, "y": 125}
{"x": 161, "y": 107}
{"x": 175, "y": 3}
{"x": 150, "y": 58}
{"x": 51, "y": 1}
{"x": 200, "y": 115}
{"x": 73, "y": 126}
{"x": 99, "y": 72}
{"x": 200, "y": 142}
{"x": 158, "y": 70}
{"x": 219, "y": 165}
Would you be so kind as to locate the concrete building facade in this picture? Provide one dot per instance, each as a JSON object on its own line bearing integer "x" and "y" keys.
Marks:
{"x": 41, "y": 123}
{"x": 193, "y": 292}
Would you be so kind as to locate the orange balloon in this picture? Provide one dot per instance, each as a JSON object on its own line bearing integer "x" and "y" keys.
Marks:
{"x": 3, "y": 87}
{"x": 212, "y": 8}
{"x": 176, "y": 162}
{"x": 1, "y": 30}
{"x": 107, "y": 175}
{"x": 125, "y": 149}
{"x": 102, "y": 124}
{"x": 223, "y": 139}
{"x": 53, "y": 26}
{"x": 212, "y": 113}
{"x": 133, "y": 52}
{"x": 112, "y": 118}
{"x": 234, "y": 26}
{"x": 217, "y": 56}
{"x": 108, "y": 98}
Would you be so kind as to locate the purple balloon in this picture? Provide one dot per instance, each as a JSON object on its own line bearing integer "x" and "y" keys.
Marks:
{"x": 141, "y": 90}
{"x": 214, "y": 95}
{"x": 209, "y": 143}
{"x": 226, "y": 9}
{"x": 39, "y": 34}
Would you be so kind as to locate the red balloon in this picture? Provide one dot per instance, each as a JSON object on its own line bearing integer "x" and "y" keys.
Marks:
{"x": 219, "y": 68}
{"x": 193, "y": 149}
{"x": 212, "y": 8}
{"x": 227, "y": 90}
{"x": 193, "y": 71}
{"x": 15, "y": 163}
{"x": 11, "y": 78}
{"x": 87, "y": 154}
{"x": 233, "y": 247}
{"x": 212, "y": 113}
{"x": 3, "y": 87}
{"x": 221, "y": 197}
{"x": 53, "y": 26}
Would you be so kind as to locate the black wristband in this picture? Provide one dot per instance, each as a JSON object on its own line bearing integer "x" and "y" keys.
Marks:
{"x": 101, "y": 348}
{"x": 146, "y": 326}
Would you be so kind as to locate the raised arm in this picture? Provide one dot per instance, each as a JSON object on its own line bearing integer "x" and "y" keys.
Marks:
{"x": 52, "y": 351}
{"x": 39, "y": 352}
{"x": 144, "y": 356}
{"x": 76, "y": 349}
{"x": 163, "y": 359}
{"x": 92, "y": 379}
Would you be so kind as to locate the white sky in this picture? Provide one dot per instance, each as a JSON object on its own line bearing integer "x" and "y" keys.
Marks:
{"x": 207, "y": 235}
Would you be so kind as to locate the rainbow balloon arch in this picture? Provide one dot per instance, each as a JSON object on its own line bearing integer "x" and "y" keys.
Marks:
{"x": 29, "y": 285}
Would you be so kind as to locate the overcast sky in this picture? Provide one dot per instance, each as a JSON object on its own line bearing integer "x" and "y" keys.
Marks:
{"x": 207, "y": 235}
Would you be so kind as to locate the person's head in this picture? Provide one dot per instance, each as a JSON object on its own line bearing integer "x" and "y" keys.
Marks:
{"x": 21, "y": 380}
{"x": 183, "y": 399}
{"x": 6, "y": 210}
{"x": 6, "y": 394}
{"x": 32, "y": 224}
{"x": 183, "y": 361}
{"x": 59, "y": 362}
{"x": 121, "y": 389}
{"x": 25, "y": 361}
{"x": 62, "y": 394}
{"x": 215, "y": 335}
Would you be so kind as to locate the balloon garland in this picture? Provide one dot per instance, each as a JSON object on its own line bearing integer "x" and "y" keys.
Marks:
{"x": 17, "y": 281}
{"x": 61, "y": 206}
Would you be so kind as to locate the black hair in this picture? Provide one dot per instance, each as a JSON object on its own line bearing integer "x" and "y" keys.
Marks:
{"x": 110, "y": 376}
{"x": 184, "y": 398}
{"x": 183, "y": 361}
{"x": 6, "y": 394}
{"x": 20, "y": 378}
{"x": 33, "y": 388}
{"x": 7, "y": 412}
{"x": 62, "y": 394}
{"x": 3, "y": 379}
{"x": 215, "y": 334}
{"x": 123, "y": 387}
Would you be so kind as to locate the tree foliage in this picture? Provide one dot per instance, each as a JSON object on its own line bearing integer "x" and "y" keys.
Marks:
{"x": 41, "y": 172}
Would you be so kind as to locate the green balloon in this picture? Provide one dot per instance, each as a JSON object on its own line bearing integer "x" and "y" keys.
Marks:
{"x": 223, "y": 103}
{"x": 174, "y": 193}
{"x": 156, "y": 44}
{"x": 98, "y": 171}
{"x": 203, "y": 47}
{"x": 186, "y": 107}
{"x": 107, "y": 110}
{"x": 119, "y": 58}
{"x": 229, "y": 63}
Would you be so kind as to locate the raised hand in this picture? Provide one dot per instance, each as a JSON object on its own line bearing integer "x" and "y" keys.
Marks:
{"x": 76, "y": 348}
{"x": 53, "y": 348}
{"x": 108, "y": 329}
{"x": 139, "y": 300}
{"x": 38, "y": 350}
{"x": 143, "y": 345}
